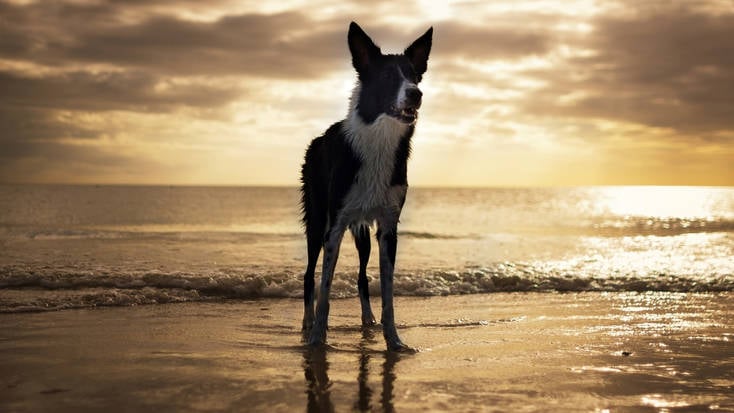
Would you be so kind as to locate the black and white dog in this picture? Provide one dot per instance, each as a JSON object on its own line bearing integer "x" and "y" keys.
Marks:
{"x": 356, "y": 174}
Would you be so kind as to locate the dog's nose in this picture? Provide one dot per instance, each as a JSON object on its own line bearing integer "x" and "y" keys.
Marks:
{"x": 413, "y": 95}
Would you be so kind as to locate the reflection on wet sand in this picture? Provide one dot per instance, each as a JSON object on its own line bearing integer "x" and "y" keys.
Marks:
{"x": 318, "y": 385}
{"x": 315, "y": 369}
{"x": 363, "y": 403}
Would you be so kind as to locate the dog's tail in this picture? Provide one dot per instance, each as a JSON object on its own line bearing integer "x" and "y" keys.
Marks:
{"x": 310, "y": 208}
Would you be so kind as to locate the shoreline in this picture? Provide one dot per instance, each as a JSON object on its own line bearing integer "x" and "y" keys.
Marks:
{"x": 89, "y": 290}
{"x": 489, "y": 352}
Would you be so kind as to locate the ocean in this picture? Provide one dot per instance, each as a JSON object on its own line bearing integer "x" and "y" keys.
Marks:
{"x": 85, "y": 246}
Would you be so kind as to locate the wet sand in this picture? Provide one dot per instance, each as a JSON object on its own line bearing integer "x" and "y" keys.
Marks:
{"x": 498, "y": 352}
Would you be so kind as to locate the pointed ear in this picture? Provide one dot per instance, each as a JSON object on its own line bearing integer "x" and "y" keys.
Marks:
{"x": 418, "y": 52}
{"x": 363, "y": 50}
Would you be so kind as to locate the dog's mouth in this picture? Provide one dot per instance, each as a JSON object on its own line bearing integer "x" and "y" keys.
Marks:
{"x": 406, "y": 115}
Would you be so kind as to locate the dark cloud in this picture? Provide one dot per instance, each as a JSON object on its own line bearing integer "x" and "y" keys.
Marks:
{"x": 237, "y": 45}
{"x": 672, "y": 69}
{"x": 274, "y": 45}
{"x": 130, "y": 91}
{"x": 22, "y": 125}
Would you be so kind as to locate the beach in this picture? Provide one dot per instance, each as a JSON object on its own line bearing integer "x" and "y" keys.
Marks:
{"x": 170, "y": 299}
{"x": 619, "y": 351}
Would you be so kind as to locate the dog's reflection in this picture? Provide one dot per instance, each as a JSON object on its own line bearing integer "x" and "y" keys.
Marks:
{"x": 318, "y": 386}
{"x": 315, "y": 368}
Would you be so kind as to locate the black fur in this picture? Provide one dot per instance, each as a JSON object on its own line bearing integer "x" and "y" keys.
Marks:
{"x": 400, "y": 173}
{"x": 327, "y": 173}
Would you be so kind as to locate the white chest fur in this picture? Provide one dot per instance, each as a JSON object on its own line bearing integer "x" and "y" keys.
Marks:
{"x": 375, "y": 144}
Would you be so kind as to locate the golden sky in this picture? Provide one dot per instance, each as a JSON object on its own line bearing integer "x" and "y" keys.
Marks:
{"x": 518, "y": 93}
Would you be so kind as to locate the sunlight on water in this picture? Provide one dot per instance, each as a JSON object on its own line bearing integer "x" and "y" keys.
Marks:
{"x": 665, "y": 202}
{"x": 657, "y": 401}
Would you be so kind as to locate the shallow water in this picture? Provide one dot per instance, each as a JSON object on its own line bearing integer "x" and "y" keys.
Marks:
{"x": 79, "y": 246}
{"x": 618, "y": 351}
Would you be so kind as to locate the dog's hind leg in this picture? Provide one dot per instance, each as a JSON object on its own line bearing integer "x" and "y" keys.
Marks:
{"x": 314, "y": 239}
{"x": 332, "y": 243}
{"x": 387, "y": 237}
{"x": 361, "y": 235}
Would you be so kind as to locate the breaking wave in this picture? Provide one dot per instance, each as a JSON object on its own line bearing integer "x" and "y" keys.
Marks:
{"x": 48, "y": 288}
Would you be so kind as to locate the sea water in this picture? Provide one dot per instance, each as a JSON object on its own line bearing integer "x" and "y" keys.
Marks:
{"x": 79, "y": 246}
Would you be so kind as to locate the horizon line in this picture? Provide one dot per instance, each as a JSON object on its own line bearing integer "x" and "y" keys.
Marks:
{"x": 418, "y": 186}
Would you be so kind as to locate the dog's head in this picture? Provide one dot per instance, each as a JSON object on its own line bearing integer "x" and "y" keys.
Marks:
{"x": 388, "y": 83}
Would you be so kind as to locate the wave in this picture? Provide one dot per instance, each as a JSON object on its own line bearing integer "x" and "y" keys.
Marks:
{"x": 47, "y": 288}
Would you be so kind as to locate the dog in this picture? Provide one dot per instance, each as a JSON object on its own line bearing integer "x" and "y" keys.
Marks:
{"x": 355, "y": 174}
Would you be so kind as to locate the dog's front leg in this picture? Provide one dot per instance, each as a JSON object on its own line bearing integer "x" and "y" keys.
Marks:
{"x": 333, "y": 240}
{"x": 387, "y": 237}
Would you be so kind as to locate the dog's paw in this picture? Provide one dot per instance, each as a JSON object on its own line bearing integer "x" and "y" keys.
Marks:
{"x": 368, "y": 320}
{"x": 316, "y": 344}
{"x": 317, "y": 337}
{"x": 398, "y": 346}
{"x": 307, "y": 325}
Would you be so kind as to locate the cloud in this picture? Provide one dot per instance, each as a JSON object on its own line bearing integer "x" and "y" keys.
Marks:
{"x": 21, "y": 124}
{"x": 131, "y": 91}
{"x": 240, "y": 45}
{"x": 269, "y": 45}
{"x": 671, "y": 69}
{"x": 456, "y": 38}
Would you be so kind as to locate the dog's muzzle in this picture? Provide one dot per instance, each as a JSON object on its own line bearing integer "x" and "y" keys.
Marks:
{"x": 408, "y": 113}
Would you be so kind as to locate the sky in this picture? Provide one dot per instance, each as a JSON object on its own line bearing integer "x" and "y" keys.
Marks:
{"x": 517, "y": 93}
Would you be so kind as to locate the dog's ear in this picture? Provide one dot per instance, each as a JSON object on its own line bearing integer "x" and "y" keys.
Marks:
{"x": 363, "y": 50}
{"x": 418, "y": 52}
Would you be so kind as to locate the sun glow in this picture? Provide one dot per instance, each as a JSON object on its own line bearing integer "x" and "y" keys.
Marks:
{"x": 665, "y": 202}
